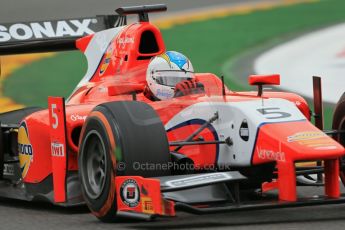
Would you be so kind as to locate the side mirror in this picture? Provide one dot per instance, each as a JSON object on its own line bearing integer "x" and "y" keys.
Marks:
{"x": 260, "y": 80}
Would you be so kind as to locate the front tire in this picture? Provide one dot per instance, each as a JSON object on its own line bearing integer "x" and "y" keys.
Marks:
{"x": 115, "y": 139}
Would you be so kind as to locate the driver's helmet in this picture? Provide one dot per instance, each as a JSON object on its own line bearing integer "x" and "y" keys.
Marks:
{"x": 165, "y": 71}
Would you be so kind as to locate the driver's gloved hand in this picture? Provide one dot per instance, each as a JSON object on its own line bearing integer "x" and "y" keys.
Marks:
{"x": 188, "y": 87}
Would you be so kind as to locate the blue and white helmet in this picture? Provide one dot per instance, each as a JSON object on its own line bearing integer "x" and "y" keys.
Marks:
{"x": 165, "y": 71}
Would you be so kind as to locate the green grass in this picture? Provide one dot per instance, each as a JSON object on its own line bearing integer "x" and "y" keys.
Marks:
{"x": 209, "y": 44}
{"x": 53, "y": 76}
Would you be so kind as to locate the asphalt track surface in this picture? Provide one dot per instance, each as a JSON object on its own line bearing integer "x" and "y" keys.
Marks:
{"x": 21, "y": 215}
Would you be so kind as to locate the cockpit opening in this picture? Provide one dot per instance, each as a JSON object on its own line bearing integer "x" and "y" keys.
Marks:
{"x": 148, "y": 43}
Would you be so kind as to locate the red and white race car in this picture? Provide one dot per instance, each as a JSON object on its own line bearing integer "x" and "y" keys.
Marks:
{"x": 124, "y": 155}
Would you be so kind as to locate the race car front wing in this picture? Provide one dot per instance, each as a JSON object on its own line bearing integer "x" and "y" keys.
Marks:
{"x": 140, "y": 195}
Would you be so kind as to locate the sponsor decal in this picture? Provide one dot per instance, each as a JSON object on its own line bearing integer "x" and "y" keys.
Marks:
{"x": 305, "y": 136}
{"x": 130, "y": 193}
{"x": 147, "y": 205}
{"x": 244, "y": 130}
{"x": 57, "y": 149}
{"x": 106, "y": 60}
{"x": 164, "y": 93}
{"x": 123, "y": 41}
{"x": 313, "y": 139}
{"x": 195, "y": 180}
{"x": 25, "y": 150}
{"x": 77, "y": 117}
{"x": 8, "y": 170}
{"x": 48, "y": 29}
{"x": 266, "y": 154}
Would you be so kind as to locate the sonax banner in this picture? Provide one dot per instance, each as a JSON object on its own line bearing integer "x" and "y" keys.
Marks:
{"x": 52, "y": 35}
{"x": 29, "y": 31}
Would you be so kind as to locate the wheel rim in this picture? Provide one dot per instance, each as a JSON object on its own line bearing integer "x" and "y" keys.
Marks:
{"x": 94, "y": 165}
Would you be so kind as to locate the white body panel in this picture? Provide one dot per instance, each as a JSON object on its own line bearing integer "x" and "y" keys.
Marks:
{"x": 231, "y": 116}
{"x": 95, "y": 51}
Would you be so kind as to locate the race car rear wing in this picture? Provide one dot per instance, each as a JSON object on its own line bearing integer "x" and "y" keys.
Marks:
{"x": 60, "y": 35}
{"x": 52, "y": 35}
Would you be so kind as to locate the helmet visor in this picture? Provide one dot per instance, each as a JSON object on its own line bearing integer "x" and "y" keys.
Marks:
{"x": 171, "y": 78}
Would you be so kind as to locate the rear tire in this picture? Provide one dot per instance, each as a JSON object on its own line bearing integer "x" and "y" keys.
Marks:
{"x": 116, "y": 138}
{"x": 339, "y": 124}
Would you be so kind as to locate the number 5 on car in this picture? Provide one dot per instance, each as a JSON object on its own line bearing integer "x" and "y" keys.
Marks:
{"x": 57, "y": 118}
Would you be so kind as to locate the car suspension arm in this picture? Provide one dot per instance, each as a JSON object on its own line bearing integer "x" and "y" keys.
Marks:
{"x": 190, "y": 138}
{"x": 333, "y": 132}
{"x": 183, "y": 143}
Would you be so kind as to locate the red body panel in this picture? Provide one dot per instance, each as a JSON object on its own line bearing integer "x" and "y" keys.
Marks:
{"x": 298, "y": 141}
{"x": 264, "y": 79}
{"x": 141, "y": 195}
{"x": 56, "y": 106}
{"x": 39, "y": 132}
